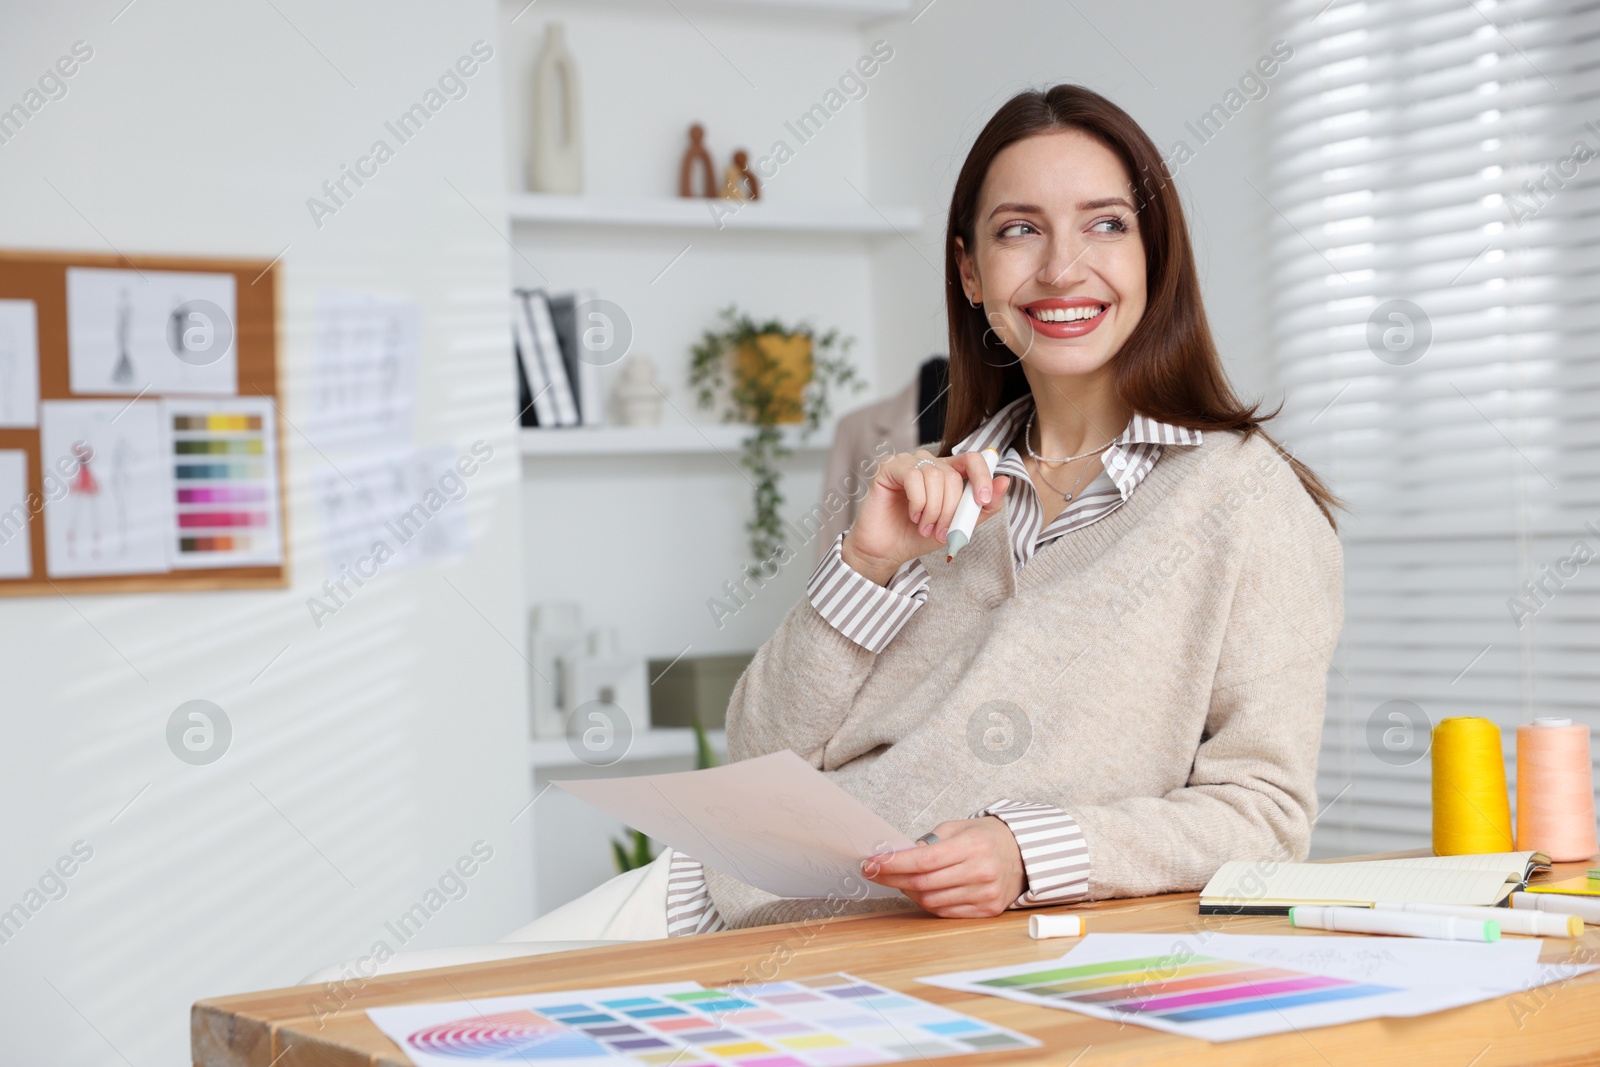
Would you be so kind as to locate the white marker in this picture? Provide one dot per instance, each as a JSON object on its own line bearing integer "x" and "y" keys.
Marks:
{"x": 1533, "y": 923}
{"x": 1560, "y": 903}
{"x": 966, "y": 516}
{"x": 1367, "y": 921}
{"x": 1043, "y": 926}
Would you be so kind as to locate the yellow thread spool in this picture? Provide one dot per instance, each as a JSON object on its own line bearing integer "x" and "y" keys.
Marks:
{"x": 1471, "y": 808}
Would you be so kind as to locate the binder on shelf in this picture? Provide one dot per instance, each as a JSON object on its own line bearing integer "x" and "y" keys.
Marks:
{"x": 586, "y": 378}
{"x": 531, "y": 367}
{"x": 549, "y": 350}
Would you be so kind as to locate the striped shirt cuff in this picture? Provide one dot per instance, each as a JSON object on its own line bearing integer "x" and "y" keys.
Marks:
{"x": 1055, "y": 856}
{"x": 689, "y": 907}
{"x": 859, "y": 608}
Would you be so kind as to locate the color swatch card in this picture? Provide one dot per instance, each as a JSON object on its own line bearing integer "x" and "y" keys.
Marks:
{"x": 1226, "y": 987}
{"x": 834, "y": 1020}
{"x": 225, "y": 482}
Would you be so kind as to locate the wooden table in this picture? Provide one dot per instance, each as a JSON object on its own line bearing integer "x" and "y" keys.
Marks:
{"x": 1554, "y": 1024}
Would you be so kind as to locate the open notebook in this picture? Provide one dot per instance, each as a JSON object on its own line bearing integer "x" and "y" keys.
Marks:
{"x": 1260, "y": 887}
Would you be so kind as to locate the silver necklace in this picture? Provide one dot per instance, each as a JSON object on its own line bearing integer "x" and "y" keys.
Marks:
{"x": 1039, "y": 468}
{"x": 1027, "y": 441}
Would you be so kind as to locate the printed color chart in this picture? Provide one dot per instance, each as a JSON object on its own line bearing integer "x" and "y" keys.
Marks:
{"x": 1202, "y": 988}
{"x": 1245, "y": 986}
{"x": 834, "y": 1020}
{"x": 224, "y": 467}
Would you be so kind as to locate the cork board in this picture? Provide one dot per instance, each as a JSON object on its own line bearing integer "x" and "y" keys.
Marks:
{"x": 41, "y": 277}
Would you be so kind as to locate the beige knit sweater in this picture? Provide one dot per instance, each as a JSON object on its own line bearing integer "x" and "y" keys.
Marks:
{"x": 1169, "y": 660}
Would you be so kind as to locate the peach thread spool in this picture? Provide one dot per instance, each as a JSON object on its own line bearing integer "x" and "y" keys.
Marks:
{"x": 1555, "y": 789}
{"x": 1471, "y": 809}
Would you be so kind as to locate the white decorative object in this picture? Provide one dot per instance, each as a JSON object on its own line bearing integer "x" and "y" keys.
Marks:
{"x": 604, "y": 674}
{"x": 555, "y": 636}
{"x": 639, "y": 394}
{"x": 557, "y": 146}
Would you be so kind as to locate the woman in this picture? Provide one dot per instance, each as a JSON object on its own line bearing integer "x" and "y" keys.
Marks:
{"x": 1155, "y": 612}
{"x": 1118, "y": 685}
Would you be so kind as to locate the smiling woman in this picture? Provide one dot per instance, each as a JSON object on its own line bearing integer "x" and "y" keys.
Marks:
{"x": 1117, "y": 687}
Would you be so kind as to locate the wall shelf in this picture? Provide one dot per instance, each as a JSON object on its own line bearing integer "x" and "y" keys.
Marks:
{"x": 672, "y": 213}
{"x": 656, "y": 440}
{"x": 658, "y": 742}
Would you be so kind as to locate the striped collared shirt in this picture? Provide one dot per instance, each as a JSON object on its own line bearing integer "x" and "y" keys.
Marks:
{"x": 1055, "y": 858}
{"x": 871, "y": 615}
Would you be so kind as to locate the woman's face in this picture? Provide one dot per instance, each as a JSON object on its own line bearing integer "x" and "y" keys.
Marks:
{"x": 1057, "y": 257}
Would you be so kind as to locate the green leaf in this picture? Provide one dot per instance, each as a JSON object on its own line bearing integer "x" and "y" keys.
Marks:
{"x": 703, "y": 755}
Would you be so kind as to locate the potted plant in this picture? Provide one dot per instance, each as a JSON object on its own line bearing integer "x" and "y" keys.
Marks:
{"x": 769, "y": 374}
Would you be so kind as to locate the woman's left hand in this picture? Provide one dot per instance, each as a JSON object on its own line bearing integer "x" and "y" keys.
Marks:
{"x": 973, "y": 871}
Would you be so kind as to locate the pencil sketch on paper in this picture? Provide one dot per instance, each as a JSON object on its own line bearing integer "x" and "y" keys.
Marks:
{"x": 151, "y": 332}
{"x": 116, "y": 516}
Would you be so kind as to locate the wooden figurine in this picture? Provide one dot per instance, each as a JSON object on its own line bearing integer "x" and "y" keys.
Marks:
{"x": 737, "y": 181}
{"x": 697, "y": 153}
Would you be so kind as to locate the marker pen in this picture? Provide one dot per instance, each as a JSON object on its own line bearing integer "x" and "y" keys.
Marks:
{"x": 1534, "y": 923}
{"x": 966, "y": 516}
{"x": 1367, "y": 921}
{"x": 1560, "y": 903}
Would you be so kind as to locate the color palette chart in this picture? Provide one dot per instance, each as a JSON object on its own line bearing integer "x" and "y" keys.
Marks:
{"x": 834, "y": 1020}
{"x": 224, "y": 457}
{"x": 1199, "y": 990}
{"x": 1221, "y": 987}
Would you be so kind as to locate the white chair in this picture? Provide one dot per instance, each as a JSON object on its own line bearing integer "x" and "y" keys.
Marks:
{"x": 630, "y": 907}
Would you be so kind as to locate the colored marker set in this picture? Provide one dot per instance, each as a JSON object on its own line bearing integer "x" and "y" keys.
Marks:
{"x": 834, "y": 1020}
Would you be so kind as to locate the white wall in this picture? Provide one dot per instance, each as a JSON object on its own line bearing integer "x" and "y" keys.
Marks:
{"x": 376, "y": 750}
{"x": 1165, "y": 63}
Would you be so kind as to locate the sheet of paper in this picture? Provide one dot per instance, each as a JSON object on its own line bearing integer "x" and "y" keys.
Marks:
{"x": 395, "y": 509}
{"x": 19, "y": 364}
{"x": 116, "y": 515}
{"x": 1236, "y": 986}
{"x": 775, "y": 822}
{"x": 149, "y": 332}
{"x": 1358, "y": 883}
{"x": 833, "y": 1020}
{"x": 225, "y": 482}
{"x": 364, "y": 370}
{"x": 16, "y": 547}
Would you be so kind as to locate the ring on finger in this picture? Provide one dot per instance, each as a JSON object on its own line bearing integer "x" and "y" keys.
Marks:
{"x": 924, "y": 462}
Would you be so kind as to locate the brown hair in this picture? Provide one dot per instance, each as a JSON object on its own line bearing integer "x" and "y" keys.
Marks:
{"x": 1168, "y": 369}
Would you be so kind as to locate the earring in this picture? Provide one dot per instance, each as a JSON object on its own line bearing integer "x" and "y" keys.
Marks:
{"x": 976, "y": 303}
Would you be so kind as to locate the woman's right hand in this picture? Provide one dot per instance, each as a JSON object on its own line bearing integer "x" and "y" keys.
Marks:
{"x": 908, "y": 510}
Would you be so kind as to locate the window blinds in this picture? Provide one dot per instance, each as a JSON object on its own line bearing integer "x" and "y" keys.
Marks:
{"x": 1433, "y": 172}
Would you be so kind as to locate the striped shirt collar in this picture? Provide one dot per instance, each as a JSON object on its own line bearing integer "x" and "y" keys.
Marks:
{"x": 1127, "y": 461}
